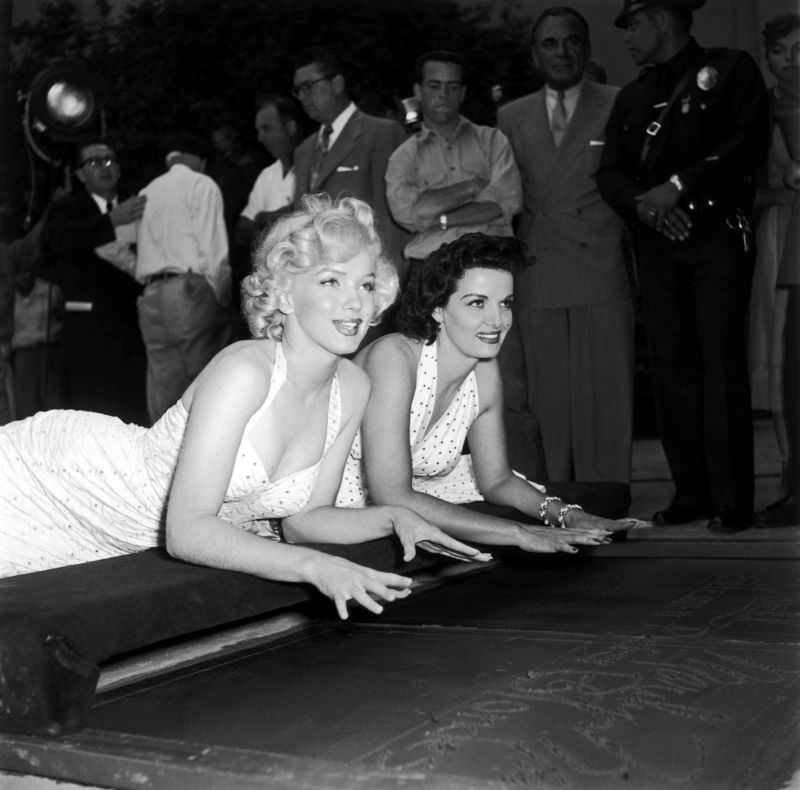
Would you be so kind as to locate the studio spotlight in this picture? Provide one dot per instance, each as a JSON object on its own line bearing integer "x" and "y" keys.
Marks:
{"x": 61, "y": 108}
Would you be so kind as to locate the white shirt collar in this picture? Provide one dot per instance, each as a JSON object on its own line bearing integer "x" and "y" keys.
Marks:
{"x": 571, "y": 96}
{"x": 338, "y": 123}
{"x": 102, "y": 203}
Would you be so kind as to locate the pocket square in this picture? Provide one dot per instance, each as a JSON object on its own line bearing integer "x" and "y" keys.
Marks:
{"x": 597, "y": 142}
{"x": 346, "y": 169}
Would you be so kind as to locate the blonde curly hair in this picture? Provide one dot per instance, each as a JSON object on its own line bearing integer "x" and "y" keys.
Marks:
{"x": 322, "y": 230}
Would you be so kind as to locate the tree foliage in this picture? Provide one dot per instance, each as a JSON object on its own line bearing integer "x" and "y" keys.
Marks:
{"x": 181, "y": 64}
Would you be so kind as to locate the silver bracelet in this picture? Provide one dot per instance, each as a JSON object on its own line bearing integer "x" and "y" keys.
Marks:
{"x": 563, "y": 512}
{"x": 543, "y": 505}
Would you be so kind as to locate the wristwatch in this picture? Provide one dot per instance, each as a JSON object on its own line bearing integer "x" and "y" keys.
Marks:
{"x": 443, "y": 221}
{"x": 677, "y": 183}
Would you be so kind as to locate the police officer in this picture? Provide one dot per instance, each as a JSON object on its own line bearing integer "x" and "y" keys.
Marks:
{"x": 682, "y": 144}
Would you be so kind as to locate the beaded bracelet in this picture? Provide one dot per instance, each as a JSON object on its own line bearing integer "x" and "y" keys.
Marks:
{"x": 543, "y": 505}
{"x": 563, "y": 512}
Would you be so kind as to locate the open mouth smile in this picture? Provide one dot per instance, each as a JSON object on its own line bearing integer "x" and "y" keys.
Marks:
{"x": 348, "y": 327}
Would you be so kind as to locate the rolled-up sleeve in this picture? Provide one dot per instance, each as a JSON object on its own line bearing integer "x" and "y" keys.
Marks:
{"x": 402, "y": 185}
{"x": 505, "y": 185}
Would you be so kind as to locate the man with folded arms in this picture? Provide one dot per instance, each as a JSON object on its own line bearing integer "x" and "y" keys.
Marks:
{"x": 453, "y": 176}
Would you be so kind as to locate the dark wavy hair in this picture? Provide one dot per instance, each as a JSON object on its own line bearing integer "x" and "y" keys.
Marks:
{"x": 433, "y": 281}
{"x": 779, "y": 27}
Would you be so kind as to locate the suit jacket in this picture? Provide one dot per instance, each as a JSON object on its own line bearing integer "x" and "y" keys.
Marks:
{"x": 574, "y": 236}
{"x": 74, "y": 227}
{"x": 356, "y": 166}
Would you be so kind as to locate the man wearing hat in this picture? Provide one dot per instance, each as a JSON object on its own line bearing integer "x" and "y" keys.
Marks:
{"x": 682, "y": 145}
{"x": 182, "y": 260}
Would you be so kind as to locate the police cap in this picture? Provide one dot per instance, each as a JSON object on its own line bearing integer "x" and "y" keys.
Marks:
{"x": 632, "y": 6}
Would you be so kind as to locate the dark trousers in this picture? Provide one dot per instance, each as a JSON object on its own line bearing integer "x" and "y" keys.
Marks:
{"x": 791, "y": 388}
{"x": 183, "y": 326}
{"x": 694, "y": 300}
{"x": 104, "y": 364}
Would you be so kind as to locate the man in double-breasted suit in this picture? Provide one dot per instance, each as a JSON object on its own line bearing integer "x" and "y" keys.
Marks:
{"x": 347, "y": 155}
{"x": 570, "y": 359}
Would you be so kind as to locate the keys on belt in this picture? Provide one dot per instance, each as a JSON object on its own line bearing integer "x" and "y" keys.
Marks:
{"x": 739, "y": 223}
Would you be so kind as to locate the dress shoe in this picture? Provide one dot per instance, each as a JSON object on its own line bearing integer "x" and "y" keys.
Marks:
{"x": 729, "y": 522}
{"x": 672, "y": 516}
{"x": 783, "y": 513}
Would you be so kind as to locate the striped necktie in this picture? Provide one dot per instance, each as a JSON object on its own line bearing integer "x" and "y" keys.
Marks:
{"x": 323, "y": 145}
{"x": 558, "y": 122}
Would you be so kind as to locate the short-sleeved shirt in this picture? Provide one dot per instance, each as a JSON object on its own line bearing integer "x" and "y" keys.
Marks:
{"x": 429, "y": 161}
{"x": 273, "y": 190}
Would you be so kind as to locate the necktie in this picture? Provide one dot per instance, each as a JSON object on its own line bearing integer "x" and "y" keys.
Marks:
{"x": 323, "y": 144}
{"x": 109, "y": 206}
{"x": 558, "y": 123}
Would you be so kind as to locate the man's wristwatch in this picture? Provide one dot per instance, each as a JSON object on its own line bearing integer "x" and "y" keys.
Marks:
{"x": 443, "y": 221}
{"x": 677, "y": 183}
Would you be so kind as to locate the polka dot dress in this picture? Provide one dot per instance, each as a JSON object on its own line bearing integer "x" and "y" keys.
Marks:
{"x": 439, "y": 467}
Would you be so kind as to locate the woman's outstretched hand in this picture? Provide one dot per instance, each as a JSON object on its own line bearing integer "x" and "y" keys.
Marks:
{"x": 343, "y": 581}
{"x": 578, "y": 519}
{"x": 548, "y": 540}
{"x": 414, "y": 531}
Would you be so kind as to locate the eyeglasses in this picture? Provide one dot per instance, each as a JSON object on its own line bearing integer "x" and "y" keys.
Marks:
{"x": 304, "y": 88}
{"x": 99, "y": 161}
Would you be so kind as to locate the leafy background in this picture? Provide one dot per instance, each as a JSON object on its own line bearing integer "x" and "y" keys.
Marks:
{"x": 169, "y": 65}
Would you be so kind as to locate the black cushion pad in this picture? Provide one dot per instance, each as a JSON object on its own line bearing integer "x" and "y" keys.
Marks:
{"x": 56, "y": 626}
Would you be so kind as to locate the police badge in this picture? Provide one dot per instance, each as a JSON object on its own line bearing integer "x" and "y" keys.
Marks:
{"x": 707, "y": 78}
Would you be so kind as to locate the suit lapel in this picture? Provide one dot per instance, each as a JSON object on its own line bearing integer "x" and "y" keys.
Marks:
{"x": 88, "y": 204}
{"x": 302, "y": 165}
{"x": 575, "y": 138}
{"x": 344, "y": 144}
{"x": 544, "y": 152}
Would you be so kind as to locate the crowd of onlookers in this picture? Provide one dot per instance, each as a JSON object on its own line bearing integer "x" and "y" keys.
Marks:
{"x": 114, "y": 303}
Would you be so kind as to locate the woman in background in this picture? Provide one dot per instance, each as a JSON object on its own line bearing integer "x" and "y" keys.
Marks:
{"x": 774, "y": 199}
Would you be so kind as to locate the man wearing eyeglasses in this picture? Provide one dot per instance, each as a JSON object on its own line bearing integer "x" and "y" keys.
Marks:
{"x": 102, "y": 348}
{"x": 453, "y": 176}
{"x": 349, "y": 152}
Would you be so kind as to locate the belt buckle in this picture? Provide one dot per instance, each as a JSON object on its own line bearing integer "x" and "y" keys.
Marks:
{"x": 653, "y": 128}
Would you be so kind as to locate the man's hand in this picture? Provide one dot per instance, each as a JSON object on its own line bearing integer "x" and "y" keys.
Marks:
{"x": 658, "y": 208}
{"x": 478, "y": 185}
{"x": 128, "y": 210}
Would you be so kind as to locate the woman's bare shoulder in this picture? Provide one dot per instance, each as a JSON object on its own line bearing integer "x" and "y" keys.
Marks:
{"x": 242, "y": 368}
{"x": 487, "y": 376}
{"x": 353, "y": 380}
{"x": 390, "y": 351}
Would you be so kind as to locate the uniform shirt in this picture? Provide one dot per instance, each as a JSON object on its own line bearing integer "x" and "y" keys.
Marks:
{"x": 183, "y": 229}
{"x": 714, "y": 137}
{"x": 272, "y": 191}
{"x": 429, "y": 161}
